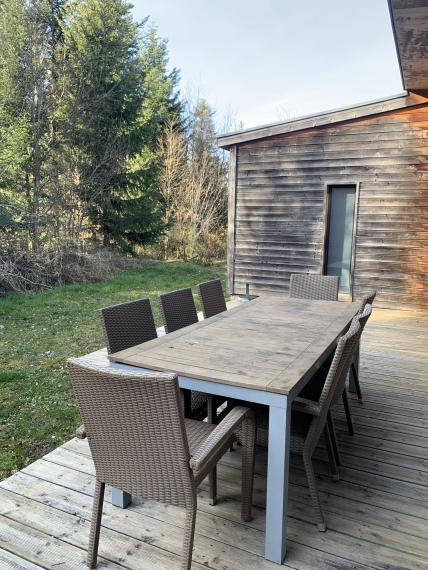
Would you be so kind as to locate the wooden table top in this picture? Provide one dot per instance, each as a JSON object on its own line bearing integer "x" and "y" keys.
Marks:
{"x": 273, "y": 343}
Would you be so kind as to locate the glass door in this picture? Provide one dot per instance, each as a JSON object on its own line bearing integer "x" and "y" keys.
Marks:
{"x": 340, "y": 234}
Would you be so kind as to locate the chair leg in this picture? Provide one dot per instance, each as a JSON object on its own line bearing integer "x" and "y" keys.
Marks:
{"x": 212, "y": 483}
{"x": 347, "y": 412}
{"x": 331, "y": 428}
{"x": 189, "y": 535}
{"x": 331, "y": 455}
{"x": 94, "y": 534}
{"x": 248, "y": 451}
{"x": 357, "y": 383}
{"x": 212, "y": 410}
{"x": 310, "y": 475}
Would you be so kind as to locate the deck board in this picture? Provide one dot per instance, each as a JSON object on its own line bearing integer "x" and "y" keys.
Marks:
{"x": 377, "y": 515}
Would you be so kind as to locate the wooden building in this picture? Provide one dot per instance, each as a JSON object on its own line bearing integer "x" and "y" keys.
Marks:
{"x": 343, "y": 192}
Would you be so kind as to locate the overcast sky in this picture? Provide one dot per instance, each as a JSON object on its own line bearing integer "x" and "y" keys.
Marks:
{"x": 268, "y": 60}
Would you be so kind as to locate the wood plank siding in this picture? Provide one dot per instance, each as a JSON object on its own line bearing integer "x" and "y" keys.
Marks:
{"x": 278, "y": 226}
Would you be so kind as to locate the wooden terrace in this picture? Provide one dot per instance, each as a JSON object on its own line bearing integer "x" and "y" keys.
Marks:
{"x": 377, "y": 513}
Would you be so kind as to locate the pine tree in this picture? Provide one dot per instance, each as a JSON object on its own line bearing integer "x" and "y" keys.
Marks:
{"x": 116, "y": 93}
{"x": 27, "y": 39}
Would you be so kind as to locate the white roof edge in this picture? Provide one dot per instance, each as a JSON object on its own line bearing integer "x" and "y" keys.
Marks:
{"x": 313, "y": 115}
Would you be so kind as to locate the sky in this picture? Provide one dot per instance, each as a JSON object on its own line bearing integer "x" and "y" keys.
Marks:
{"x": 262, "y": 61}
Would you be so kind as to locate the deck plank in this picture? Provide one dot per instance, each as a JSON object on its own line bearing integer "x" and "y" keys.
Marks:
{"x": 377, "y": 514}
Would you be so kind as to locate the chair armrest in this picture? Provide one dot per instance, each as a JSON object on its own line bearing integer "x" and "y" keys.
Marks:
{"x": 306, "y": 406}
{"x": 219, "y": 438}
{"x": 80, "y": 432}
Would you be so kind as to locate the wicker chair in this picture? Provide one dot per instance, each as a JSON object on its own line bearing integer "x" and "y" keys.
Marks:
{"x": 315, "y": 386}
{"x": 326, "y": 288}
{"x": 135, "y": 449}
{"x": 314, "y": 286}
{"x": 125, "y": 325}
{"x": 212, "y": 298}
{"x": 178, "y": 310}
{"x": 311, "y": 418}
{"x": 367, "y": 300}
{"x": 128, "y": 324}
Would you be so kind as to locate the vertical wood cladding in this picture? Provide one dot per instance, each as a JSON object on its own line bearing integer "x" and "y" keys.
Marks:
{"x": 279, "y": 221}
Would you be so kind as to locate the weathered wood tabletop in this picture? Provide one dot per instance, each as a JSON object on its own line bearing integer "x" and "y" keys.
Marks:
{"x": 272, "y": 343}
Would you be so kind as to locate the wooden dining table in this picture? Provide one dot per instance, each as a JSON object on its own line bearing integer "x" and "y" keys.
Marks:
{"x": 262, "y": 351}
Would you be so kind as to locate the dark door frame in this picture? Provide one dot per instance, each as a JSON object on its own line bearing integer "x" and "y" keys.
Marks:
{"x": 326, "y": 222}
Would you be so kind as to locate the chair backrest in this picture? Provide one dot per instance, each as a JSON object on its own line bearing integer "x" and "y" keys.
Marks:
{"x": 364, "y": 316}
{"x": 368, "y": 300}
{"x": 135, "y": 430}
{"x": 128, "y": 324}
{"x": 314, "y": 286}
{"x": 335, "y": 381}
{"x": 178, "y": 309}
{"x": 212, "y": 298}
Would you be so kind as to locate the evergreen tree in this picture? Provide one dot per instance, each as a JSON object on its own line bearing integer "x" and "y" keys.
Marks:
{"x": 116, "y": 92}
{"x": 27, "y": 39}
{"x": 202, "y": 133}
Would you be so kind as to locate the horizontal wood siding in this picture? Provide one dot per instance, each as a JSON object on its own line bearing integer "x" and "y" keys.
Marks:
{"x": 279, "y": 222}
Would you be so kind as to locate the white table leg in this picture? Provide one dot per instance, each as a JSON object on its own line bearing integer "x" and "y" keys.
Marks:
{"x": 277, "y": 482}
{"x": 119, "y": 498}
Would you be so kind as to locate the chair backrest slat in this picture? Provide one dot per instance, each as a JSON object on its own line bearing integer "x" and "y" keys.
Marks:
{"x": 314, "y": 286}
{"x": 178, "y": 309}
{"x": 128, "y": 324}
{"x": 135, "y": 431}
{"x": 212, "y": 298}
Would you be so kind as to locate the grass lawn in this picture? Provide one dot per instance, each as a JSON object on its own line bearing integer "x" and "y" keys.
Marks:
{"x": 39, "y": 332}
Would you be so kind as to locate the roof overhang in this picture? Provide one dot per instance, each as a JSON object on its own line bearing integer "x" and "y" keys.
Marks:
{"x": 379, "y": 106}
{"x": 410, "y": 25}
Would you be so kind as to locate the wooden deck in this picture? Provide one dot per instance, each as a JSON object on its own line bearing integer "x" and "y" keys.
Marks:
{"x": 377, "y": 514}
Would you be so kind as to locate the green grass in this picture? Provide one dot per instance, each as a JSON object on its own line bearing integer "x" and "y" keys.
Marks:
{"x": 39, "y": 332}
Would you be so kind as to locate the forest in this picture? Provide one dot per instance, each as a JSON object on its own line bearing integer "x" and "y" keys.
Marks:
{"x": 102, "y": 160}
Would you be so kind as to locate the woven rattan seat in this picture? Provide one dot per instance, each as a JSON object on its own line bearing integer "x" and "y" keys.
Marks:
{"x": 212, "y": 298}
{"x": 141, "y": 444}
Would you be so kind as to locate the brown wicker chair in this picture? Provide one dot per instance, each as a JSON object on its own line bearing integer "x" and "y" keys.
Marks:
{"x": 314, "y": 388}
{"x": 311, "y": 418}
{"x": 178, "y": 310}
{"x": 367, "y": 300}
{"x": 314, "y": 286}
{"x": 212, "y": 298}
{"x": 141, "y": 443}
{"x": 128, "y": 324}
{"x": 325, "y": 288}
{"x": 125, "y": 325}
